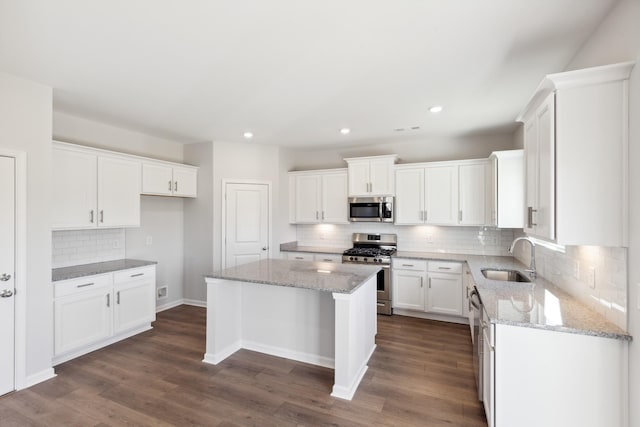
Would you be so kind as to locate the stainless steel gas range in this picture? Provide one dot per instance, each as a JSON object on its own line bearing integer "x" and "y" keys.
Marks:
{"x": 375, "y": 249}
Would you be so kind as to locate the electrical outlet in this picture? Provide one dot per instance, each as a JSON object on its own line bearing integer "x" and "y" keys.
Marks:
{"x": 591, "y": 277}
{"x": 149, "y": 240}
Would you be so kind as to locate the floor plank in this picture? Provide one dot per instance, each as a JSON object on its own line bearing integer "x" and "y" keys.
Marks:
{"x": 421, "y": 374}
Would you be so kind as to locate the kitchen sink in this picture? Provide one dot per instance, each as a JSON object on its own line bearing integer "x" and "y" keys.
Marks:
{"x": 504, "y": 275}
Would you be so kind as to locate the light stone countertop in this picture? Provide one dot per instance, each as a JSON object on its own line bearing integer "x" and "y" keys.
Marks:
{"x": 539, "y": 304}
{"x": 293, "y": 247}
{"x": 73, "y": 272}
{"x": 318, "y": 276}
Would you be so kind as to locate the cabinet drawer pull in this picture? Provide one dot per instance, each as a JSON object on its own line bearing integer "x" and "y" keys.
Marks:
{"x": 85, "y": 285}
{"x": 299, "y": 257}
{"x": 444, "y": 268}
{"x": 137, "y": 275}
{"x": 407, "y": 265}
{"x": 327, "y": 260}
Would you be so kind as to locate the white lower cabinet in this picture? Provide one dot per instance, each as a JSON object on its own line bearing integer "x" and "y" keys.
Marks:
{"x": 408, "y": 279}
{"x": 535, "y": 377}
{"x": 93, "y": 311}
{"x": 434, "y": 287}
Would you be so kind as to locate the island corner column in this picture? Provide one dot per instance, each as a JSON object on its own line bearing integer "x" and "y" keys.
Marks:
{"x": 355, "y": 331}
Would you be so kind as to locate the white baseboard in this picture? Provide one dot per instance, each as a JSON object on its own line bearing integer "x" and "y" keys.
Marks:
{"x": 39, "y": 377}
{"x": 96, "y": 346}
{"x": 312, "y": 359}
{"x": 431, "y": 316}
{"x": 218, "y": 357}
{"x": 194, "y": 302}
{"x": 169, "y": 305}
{"x": 348, "y": 392}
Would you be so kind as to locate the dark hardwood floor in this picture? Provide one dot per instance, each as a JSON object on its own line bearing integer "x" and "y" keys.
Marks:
{"x": 420, "y": 375}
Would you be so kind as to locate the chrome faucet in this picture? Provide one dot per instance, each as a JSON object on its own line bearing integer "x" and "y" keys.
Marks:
{"x": 532, "y": 262}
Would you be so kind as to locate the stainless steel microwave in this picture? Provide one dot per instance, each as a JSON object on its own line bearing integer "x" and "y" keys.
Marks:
{"x": 371, "y": 209}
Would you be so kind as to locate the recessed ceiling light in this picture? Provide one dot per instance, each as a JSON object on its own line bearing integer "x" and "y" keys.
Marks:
{"x": 248, "y": 135}
{"x": 435, "y": 109}
{"x": 345, "y": 131}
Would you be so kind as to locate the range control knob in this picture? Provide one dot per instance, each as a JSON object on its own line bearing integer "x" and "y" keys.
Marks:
{"x": 365, "y": 259}
{"x": 351, "y": 258}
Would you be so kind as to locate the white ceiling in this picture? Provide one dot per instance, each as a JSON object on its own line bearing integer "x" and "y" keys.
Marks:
{"x": 294, "y": 71}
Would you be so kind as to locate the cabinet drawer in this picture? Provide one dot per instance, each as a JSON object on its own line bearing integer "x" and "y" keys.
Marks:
{"x": 328, "y": 258}
{"x": 299, "y": 256}
{"x": 445, "y": 267}
{"x": 143, "y": 273}
{"x": 409, "y": 264}
{"x": 81, "y": 284}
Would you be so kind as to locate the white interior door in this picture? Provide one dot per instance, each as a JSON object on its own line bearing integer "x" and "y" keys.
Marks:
{"x": 247, "y": 223}
{"x": 7, "y": 280}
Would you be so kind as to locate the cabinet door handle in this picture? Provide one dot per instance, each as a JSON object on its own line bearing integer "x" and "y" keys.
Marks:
{"x": 85, "y": 285}
{"x": 421, "y": 282}
{"x": 170, "y": 186}
{"x": 118, "y": 297}
{"x": 108, "y": 300}
{"x": 91, "y": 214}
{"x": 323, "y": 215}
{"x": 175, "y": 186}
{"x": 137, "y": 275}
{"x": 460, "y": 216}
{"x": 530, "y": 212}
{"x": 102, "y": 216}
{"x": 317, "y": 215}
{"x": 429, "y": 282}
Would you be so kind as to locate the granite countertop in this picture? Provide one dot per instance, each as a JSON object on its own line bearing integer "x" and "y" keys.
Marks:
{"x": 75, "y": 271}
{"x": 539, "y": 304}
{"x": 318, "y": 276}
{"x": 293, "y": 247}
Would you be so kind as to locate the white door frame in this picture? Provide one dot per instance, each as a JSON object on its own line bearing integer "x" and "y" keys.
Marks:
{"x": 20, "y": 283}
{"x": 224, "y": 213}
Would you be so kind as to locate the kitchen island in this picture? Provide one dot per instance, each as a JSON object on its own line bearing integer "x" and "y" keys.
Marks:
{"x": 314, "y": 312}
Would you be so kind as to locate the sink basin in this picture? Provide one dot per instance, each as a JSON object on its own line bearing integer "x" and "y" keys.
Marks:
{"x": 504, "y": 275}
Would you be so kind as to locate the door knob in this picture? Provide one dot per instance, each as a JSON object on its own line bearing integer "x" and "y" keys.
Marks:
{"x": 5, "y": 277}
{"x": 7, "y": 293}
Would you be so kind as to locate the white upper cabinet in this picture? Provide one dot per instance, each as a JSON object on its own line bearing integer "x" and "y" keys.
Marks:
{"x": 442, "y": 193}
{"x": 371, "y": 176}
{"x": 165, "y": 179}
{"x": 473, "y": 193}
{"x": 318, "y": 197}
{"x": 506, "y": 189}
{"x": 74, "y": 190}
{"x": 441, "y": 197}
{"x": 118, "y": 192}
{"x": 93, "y": 190}
{"x": 576, "y": 150}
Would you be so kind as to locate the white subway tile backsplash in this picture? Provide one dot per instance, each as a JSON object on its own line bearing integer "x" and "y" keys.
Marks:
{"x": 75, "y": 247}
{"x": 472, "y": 240}
{"x": 570, "y": 272}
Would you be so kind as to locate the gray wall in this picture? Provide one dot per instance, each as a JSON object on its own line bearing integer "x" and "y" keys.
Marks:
{"x": 25, "y": 125}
